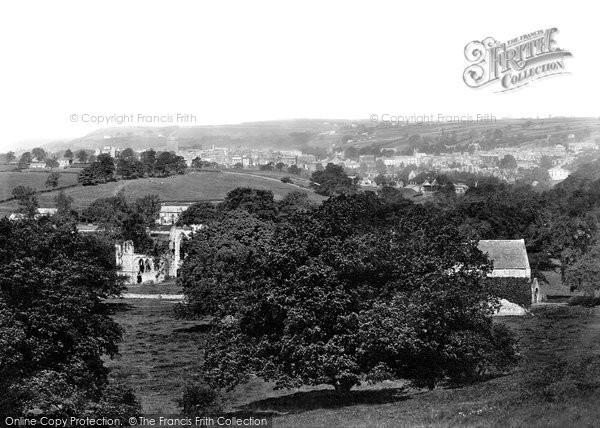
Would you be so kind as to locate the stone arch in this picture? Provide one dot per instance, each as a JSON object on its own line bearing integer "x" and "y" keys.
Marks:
{"x": 141, "y": 266}
{"x": 148, "y": 265}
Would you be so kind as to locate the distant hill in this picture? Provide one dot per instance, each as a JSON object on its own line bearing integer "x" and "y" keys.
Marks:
{"x": 329, "y": 135}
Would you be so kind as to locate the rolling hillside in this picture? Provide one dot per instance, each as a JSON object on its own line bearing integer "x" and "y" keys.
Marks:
{"x": 194, "y": 186}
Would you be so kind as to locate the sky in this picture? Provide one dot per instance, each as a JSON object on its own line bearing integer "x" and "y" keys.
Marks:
{"x": 237, "y": 61}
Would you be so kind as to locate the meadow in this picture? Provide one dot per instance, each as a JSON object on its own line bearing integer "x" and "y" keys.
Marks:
{"x": 35, "y": 179}
{"x": 193, "y": 186}
{"x": 557, "y": 382}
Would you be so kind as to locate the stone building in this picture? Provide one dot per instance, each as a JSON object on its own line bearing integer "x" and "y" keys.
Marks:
{"x": 141, "y": 268}
{"x": 509, "y": 257}
{"x": 510, "y": 260}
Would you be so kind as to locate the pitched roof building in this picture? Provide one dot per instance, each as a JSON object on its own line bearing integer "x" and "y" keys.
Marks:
{"x": 509, "y": 257}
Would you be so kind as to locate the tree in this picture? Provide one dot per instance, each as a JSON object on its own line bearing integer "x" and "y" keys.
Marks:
{"x": 127, "y": 154}
{"x": 169, "y": 164}
{"x": 584, "y": 274}
{"x": 352, "y": 291}
{"x": 148, "y": 159}
{"x": 380, "y": 166}
{"x": 100, "y": 171}
{"x": 381, "y": 180}
{"x": 267, "y": 167}
{"x": 279, "y": 166}
{"x": 27, "y": 200}
{"x": 52, "y": 180}
{"x": 25, "y": 160}
{"x": 351, "y": 153}
{"x": 197, "y": 162}
{"x": 508, "y": 162}
{"x": 257, "y": 202}
{"x": 295, "y": 201}
{"x": 10, "y": 156}
{"x": 129, "y": 168}
{"x": 293, "y": 169}
{"x": 63, "y": 206}
{"x": 54, "y": 325}
{"x": 39, "y": 154}
{"x": 332, "y": 181}
{"x": 82, "y": 156}
{"x": 286, "y": 180}
{"x": 51, "y": 163}
{"x": 69, "y": 154}
{"x": 198, "y": 213}
{"x": 148, "y": 207}
{"x": 106, "y": 166}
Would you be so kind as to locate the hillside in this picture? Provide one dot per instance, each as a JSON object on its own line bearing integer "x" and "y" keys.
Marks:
{"x": 304, "y": 134}
{"x": 194, "y": 186}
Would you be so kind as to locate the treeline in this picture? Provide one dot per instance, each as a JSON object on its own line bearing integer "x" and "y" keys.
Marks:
{"x": 129, "y": 165}
{"x": 561, "y": 226}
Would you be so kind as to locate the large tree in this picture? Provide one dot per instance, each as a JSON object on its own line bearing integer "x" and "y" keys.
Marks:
{"x": 52, "y": 180}
{"x": 39, "y": 154}
{"x": 27, "y": 199}
{"x": 332, "y": 181}
{"x": 354, "y": 290}
{"x": 82, "y": 156}
{"x": 54, "y": 327}
{"x": 25, "y": 160}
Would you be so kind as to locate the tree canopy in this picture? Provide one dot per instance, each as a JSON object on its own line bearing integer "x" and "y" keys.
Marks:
{"x": 54, "y": 328}
{"x": 357, "y": 289}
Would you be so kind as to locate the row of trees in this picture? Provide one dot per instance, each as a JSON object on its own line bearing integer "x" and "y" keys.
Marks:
{"x": 40, "y": 155}
{"x": 128, "y": 165}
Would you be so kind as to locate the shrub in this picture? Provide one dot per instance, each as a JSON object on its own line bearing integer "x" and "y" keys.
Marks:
{"x": 200, "y": 399}
{"x": 586, "y": 301}
{"x": 515, "y": 290}
{"x": 286, "y": 179}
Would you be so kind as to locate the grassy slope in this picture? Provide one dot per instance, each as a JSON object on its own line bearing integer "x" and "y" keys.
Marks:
{"x": 37, "y": 180}
{"x": 556, "y": 384}
{"x": 190, "y": 187}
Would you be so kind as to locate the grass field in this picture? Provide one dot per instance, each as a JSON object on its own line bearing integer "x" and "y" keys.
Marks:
{"x": 189, "y": 187}
{"x": 557, "y": 382}
{"x": 37, "y": 180}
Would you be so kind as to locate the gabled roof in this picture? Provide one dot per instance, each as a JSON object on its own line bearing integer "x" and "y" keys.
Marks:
{"x": 506, "y": 253}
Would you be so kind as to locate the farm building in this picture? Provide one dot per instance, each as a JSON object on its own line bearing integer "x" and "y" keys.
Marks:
{"x": 509, "y": 257}
{"x": 511, "y": 270}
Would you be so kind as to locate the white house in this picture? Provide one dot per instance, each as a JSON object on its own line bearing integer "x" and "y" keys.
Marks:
{"x": 558, "y": 173}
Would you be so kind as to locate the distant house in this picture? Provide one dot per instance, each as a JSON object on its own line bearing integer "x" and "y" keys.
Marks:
{"x": 41, "y": 212}
{"x": 558, "y": 173}
{"x": 509, "y": 257}
{"x": 169, "y": 214}
{"x": 37, "y": 165}
{"x": 64, "y": 162}
{"x": 461, "y": 188}
{"x": 510, "y": 260}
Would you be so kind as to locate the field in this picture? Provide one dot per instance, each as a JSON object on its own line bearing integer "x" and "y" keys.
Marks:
{"x": 37, "y": 180}
{"x": 557, "y": 382}
{"x": 196, "y": 185}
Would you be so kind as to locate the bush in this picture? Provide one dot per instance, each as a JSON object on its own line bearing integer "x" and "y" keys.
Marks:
{"x": 586, "y": 301}
{"x": 200, "y": 399}
{"x": 286, "y": 180}
{"x": 515, "y": 290}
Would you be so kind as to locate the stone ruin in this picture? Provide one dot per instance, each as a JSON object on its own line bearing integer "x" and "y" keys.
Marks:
{"x": 144, "y": 269}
